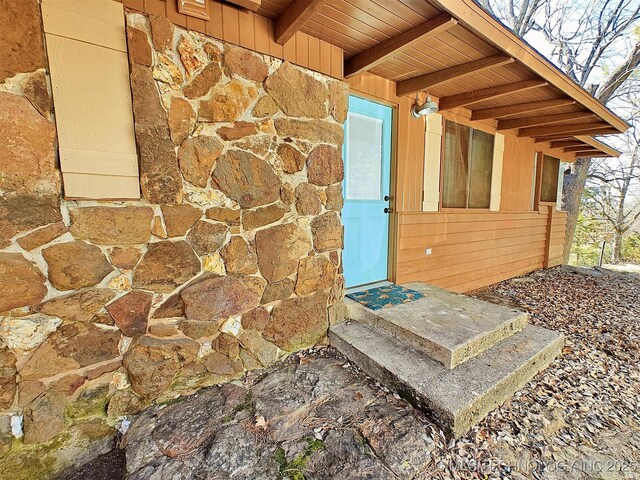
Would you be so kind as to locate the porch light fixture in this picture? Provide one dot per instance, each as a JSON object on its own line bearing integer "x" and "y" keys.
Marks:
{"x": 427, "y": 108}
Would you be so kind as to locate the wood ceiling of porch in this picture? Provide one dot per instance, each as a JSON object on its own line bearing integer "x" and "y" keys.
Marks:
{"x": 452, "y": 62}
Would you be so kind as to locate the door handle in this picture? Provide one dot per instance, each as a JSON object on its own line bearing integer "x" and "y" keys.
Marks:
{"x": 387, "y": 198}
{"x": 388, "y": 210}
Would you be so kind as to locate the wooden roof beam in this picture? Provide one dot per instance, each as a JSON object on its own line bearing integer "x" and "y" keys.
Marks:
{"x": 563, "y": 129}
{"x": 424, "y": 82}
{"x": 467, "y": 98}
{"x": 566, "y": 137}
{"x": 498, "y": 112}
{"x": 576, "y": 148}
{"x": 592, "y": 154}
{"x": 542, "y": 120}
{"x": 597, "y": 144}
{"x": 381, "y": 52}
{"x": 294, "y": 18}
{"x": 566, "y": 143}
{"x": 253, "y": 5}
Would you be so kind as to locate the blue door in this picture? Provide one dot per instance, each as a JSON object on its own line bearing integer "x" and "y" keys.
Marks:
{"x": 367, "y": 159}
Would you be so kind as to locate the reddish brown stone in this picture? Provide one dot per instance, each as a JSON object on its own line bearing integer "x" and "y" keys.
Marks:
{"x": 8, "y": 372}
{"x": 166, "y": 266}
{"x": 163, "y": 330}
{"x": 292, "y": 159}
{"x": 238, "y": 130}
{"x": 27, "y": 160}
{"x": 297, "y": 323}
{"x": 325, "y": 166}
{"x": 125, "y": 258}
{"x": 278, "y": 291}
{"x": 238, "y": 258}
{"x": 307, "y": 200}
{"x": 334, "y": 200}
{"x": 153, "y": 363}
{"x": 42, "y": 236}
{"x": 77, "y": 307}
{"x": 72, "y": 346}
{"x": 36, "y": 90}
{"x": 162, "y": 33}
{"x": 213, "y": 53}
{"x": 75, "y": 265}
{"x": 315, "y": 274}
{"x": 131, "y": 312}
{"x": 180, "y": 218}
{"x": 44, "y": 417}
{"x": 21, "y": 282}
{"x": 218, "y": 298}
{"x": 112, "y": 226}
{"x": 327, "y": 232}
{"x": 138, "y": 47}
{"x": 287, "y": 194}
{"x": 21, "y": 212}
{"x": 206, "y": 237}
{"x": 256, "y": 319}
{"x": 220, "y": 364}
{"x": 242, "y": 62}
{"x": 197, "y": 156}
{"x": 172, "y": 307}
{"x": 203, "y": 82}
{"x": 157, "y": 228}
{"x": 21, "y": 45}
{"x": 316, "y": 131}
{"x": 224, "y": 215}
{"x": 245, "y": 178}
{"x": 182, "y": 120}
{"x": 199, "y": 329}
{"x": 159, "y": 175}
{"x": 279, "y": 249}
{"x": 262, "y": 216}
{"x": 227, "y": 345}
{"x": 297, "y": 93}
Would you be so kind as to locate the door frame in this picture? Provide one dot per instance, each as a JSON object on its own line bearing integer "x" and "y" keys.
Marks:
{"x": 393, "y": 216}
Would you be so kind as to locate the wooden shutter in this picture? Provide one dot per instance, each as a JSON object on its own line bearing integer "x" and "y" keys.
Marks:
{"x": 496, "y": 175}
{"x": 87, "y": 50}
{"x": 432, "y": 155}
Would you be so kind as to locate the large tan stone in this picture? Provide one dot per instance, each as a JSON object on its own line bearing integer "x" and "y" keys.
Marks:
{"x": 219, "y": 364}
{"x": 77, "y": 307}
{"x": 327, "y": 232}
{"x": 203, "y": 82}
{"x": 197, "y": 156}
{"x": 228, "y": 103}
{"x": 21, "y": 42}
{"x": 180, "y": 218}
{"x": 265, "y": 351}
{"x": 279, "y": 249}
{"x": 325, "y": 166}
{"x": 217, "y": 298}
{"x": 159, "y": 175}
{"x": 307, "y": 200}
{"x": 8, "y": 372}
{"x": 112, "y": 226}
{"x": 297, "y": 323}
{"x": 20, "y": 212}
{"x": 278, "y": 291}
{"x": 182, "y": 120}
{"x": 153, "y": 363}
{"x": 125, "y": 258}
{"x": 166, "y": 266}
{"x": 42, "y": 236}
{"x": 316, "y": 131}
{"x": 339, "y": 100}
{"x": 315, "y": 274}
{"x": 21, "y": 282}
{"x": 36, "y": 90}
{"x": 131, "y": 312}
{"x": 199, "y": 328}
{"x": 161, "y": 33}
{"x": 224, "y": 215}
{"x": 44, "y": 417}
{"x": 27, "y": 153}
{"x": 72, "y": 346}
{"x": 237, "y": 130}
{"x": 245, "y": 178}
{"x": 297, "y": 93}
{"x": 243, "y": 62}
{"x": 138, "y": 46}
{"x": 75, "y": 265}
{"x": 256, "y": 319}
{"x": 238, "y": 258}
{"x": 265, "y": 107}
{"x": 335, "y": 200}
{"x": 206, "y": 237}
{"x": 27, "y": 332}
{"x": 292, "y": 159}
{"x": 259, "y": 217}
{"x": 287, "y": 194}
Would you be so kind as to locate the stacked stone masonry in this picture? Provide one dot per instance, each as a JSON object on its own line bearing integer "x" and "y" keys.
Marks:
{"x": 230, "y": 261}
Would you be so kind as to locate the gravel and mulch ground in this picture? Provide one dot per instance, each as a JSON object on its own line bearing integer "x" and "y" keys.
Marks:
{"x": 316, "y": 416}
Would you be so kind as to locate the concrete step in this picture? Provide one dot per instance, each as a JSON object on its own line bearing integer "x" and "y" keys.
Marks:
{"x": 450, "y": 327}
{"x": 455, "y": 398}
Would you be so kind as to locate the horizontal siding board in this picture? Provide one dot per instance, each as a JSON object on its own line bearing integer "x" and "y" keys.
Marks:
{"x": 100, "y": 187}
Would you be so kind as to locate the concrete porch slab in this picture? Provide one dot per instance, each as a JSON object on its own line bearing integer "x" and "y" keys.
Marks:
{"x": 450, "y": 327}
{"x": 456, "y": 398}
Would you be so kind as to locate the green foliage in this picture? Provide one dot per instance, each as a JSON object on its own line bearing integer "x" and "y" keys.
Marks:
{"x": 294, "y": 469}
{"x": 631, "y": 247}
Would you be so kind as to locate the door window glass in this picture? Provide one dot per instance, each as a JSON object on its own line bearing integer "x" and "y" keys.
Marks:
{"x": 364, "y": 150}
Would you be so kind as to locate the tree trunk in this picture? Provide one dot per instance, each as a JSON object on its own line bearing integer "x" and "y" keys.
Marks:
{"x": 572, "y": 189}
{"x": 616, "y": 247}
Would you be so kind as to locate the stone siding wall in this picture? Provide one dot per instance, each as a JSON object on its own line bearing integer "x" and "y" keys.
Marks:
{"x": 230, "y": 261}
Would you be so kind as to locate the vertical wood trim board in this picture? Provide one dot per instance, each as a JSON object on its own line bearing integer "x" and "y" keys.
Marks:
{"x": 432, "y": 157}
{"x": 89, "y": 70}
{"x": 496, "y": 173}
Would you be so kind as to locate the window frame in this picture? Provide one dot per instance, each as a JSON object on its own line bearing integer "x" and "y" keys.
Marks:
{"x": 539, "y": 176}
{"x": 442, "y": 170}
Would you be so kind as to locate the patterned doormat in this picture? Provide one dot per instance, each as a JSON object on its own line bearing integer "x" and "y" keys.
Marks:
{"x": 385, "y": 297}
